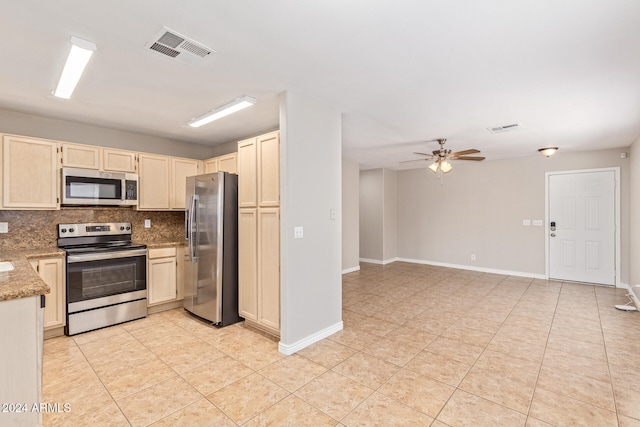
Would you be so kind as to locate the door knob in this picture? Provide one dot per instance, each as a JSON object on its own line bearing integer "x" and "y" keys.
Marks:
{"x": 553, "y": 234}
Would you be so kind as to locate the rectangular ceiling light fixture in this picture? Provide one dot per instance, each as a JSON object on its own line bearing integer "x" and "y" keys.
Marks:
{"x": 223, "y": 111}
{"x": 81, "y": 51}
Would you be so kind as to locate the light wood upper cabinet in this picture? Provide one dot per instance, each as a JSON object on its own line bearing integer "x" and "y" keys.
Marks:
{"x": 228, "y": 163}
{"x": 269, "y": 170}
{"x": 51, "y": 271}
{"x": 247, "y": 173}
{"x": 29, "y": 173}
{"x": 211, "y": 165}
{"x": 119, "y": 160}
{"x": 180, "y": 170}
{"x": 153, "y": 183}
{"x": 80, "y": 156}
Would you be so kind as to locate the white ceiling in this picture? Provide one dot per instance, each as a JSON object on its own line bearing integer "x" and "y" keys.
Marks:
{"x": 401, "y": 72}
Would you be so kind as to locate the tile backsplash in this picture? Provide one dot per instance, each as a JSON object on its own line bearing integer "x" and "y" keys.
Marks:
{"x": 38, "y": 229}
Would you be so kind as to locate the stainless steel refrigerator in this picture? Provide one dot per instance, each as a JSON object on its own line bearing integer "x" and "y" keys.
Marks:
{"x": 211, "y": 263}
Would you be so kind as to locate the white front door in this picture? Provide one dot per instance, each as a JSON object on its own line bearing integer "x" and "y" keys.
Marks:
{"x": 582, "y": 235}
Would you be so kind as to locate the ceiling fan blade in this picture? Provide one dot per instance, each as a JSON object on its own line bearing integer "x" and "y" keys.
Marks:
{"x": 422, "y": 154}
{"x": 476, "y": 158}
{"x": 465, "y": 152}
{"x": 415, "y": 160}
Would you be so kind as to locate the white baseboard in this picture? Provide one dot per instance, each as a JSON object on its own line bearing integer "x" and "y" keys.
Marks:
{"x": 473, "y": 268}
{"x": 378, "y": 261}
{"x": 351, "y": 270}
{"x": 289, "y": 349}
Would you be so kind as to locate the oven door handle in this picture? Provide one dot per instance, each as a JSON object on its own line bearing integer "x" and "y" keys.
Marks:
{"x": 105, "y": 255}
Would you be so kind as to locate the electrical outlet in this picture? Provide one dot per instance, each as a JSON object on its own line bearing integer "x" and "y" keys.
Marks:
{"x": 332, "y": 214}
{"x": 4, "y": 227}
{"x": 473, "y": 257}
{"x": 537, "y": 222}
{"x": 147, "y": 223}
{"x": 298, "y": 232}
{"x": 526, "y": 222}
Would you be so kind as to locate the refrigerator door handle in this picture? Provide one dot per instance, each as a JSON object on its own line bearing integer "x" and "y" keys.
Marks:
{"x": 193, "y": 240}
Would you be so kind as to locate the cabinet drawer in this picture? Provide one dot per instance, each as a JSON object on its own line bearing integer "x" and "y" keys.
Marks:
{"x": 162, "y": 252}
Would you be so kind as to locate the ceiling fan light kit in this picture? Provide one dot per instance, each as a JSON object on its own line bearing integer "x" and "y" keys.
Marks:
{"x": 548, "y": 151}
{"x": 441, "y": 157}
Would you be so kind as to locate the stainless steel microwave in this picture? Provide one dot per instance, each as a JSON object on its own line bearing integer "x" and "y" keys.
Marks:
{"x": 91, "y": 187}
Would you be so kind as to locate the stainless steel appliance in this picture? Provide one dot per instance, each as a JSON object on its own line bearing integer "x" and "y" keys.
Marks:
{"x": 91, "y": 187}
{"x": 106, "y": 275}
{"x": 211, "y": 265}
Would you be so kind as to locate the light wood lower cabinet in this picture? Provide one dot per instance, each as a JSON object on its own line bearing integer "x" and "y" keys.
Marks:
{"x": 51, "y": 271}
{"x": 162, "y": 284}
{"x": 259, "y": 267}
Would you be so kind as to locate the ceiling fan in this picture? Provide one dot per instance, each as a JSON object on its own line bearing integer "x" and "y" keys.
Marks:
{"x": 442, "y": 156}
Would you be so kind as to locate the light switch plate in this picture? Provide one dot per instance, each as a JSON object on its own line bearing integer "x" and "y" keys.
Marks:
{"x": 298, "y": 232}
{"x": 526, "y": 222}
{"x": 4, "y": 227}
{"x": 537, "y": 222}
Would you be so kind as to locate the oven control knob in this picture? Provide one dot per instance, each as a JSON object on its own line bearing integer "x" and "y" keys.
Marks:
{"x": 128, "y": 228}
{"x": 121, "y": 228}
{"x": 71, "y": 230}
{"x": 63, "y": 230}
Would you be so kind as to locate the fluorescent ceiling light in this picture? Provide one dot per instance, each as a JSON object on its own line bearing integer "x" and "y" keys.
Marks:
{"x": 81, "y": 51}
{"x": 220, "y": 112}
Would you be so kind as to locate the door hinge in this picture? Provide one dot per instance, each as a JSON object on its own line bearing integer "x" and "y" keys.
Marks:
{"x": 38, "y": 268}
{"x": 57, "y": 199}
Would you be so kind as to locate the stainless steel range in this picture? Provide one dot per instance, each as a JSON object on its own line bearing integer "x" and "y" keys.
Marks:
{"x": 106, "y": 275}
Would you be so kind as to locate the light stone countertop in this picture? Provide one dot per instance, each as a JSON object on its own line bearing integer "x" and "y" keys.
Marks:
{"x": 168, "y": 244}
{"x": 24, "y": 281}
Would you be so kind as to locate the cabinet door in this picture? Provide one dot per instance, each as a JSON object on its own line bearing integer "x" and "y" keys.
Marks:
{"x": 269, "y": 170}
{"x": 180, "y": 170}
{"x": 118, "y": 160}
{"x": 153, "y": 182}
{"x": 30, "y": 178}
{"x": 80, "y": 156}
{"x": 269, "y": 268}
{"x": 228, "y": 163}
{"x": 247, "y": 176}
{"x": 248, "y": 263}
{"x": 211, "y": 165}
{"x": 161, "y": 280}
{"x": 51, "y": 271}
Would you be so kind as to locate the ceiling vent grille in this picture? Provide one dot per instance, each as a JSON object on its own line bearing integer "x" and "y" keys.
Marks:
{"x": 505, "y": 128}
{"x": 176, "y": 46}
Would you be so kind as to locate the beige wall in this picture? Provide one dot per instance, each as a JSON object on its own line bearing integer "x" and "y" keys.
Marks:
{"x": 350, "y": 215}
{"x": 43, "y": 127}
{"x": 634, "y": 213}
{"x": 390, "y": 216}
{"x": 479, "y": 210}
{"x": 371, "y": 214}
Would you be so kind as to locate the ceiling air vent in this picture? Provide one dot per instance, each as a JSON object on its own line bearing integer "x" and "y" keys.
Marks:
{"x": 505, "y": 128}
{"x": 176, "y": 46}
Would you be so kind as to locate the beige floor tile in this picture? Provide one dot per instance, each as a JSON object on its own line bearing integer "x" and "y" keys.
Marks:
{"x": 393, "y": 351}
{"x": 213, "y": 376}
{"x": 293, "y": 412}
{"x": 483, "y": 325}
{"x": 334, "y": 394}
{"x": 578, "y": 387}
{"x": 468, "y": 335}
{"x": 354, "y": 338}
{"x": 500, "y": 387}
{"x": 417, "y": 391}
{"x": 560, "y": 410}
{"x": 411, "y": 336}
{"x": 507, "y": 365}
{"x": 366, "y": 369}
{"x": 81, "y": 398}
{"x": 373, "y": 326}
{"x": 457, "y": 350}
{"x": 523, "y": 334}
{"x": 247, "y": 397}
{"x": 182, "y": 358}
{"x": 103, "y": 335}
{"x": 199, "y": 414}
{"x": 327, "y": 353}
{"x": 464, "y": 409}
{"x": 624, "y": 421}
{"x": 562, "y": 362}
{"x": 107, "y": 414}
{"x": 126, "y": 381}
{"x": 576, "y": 347}
{"x": 533, "y": 422}
{"x": 519, "y": 349}
{"x": 258, "y": 354}
{"x": 292, "y": 372}
{"x": 624, "y": 376}
{"x": 156, "y": 402}
{"x": 628, "y": 402}
{"x": 379, "y": 410}
{"x": 441, "y": 368}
